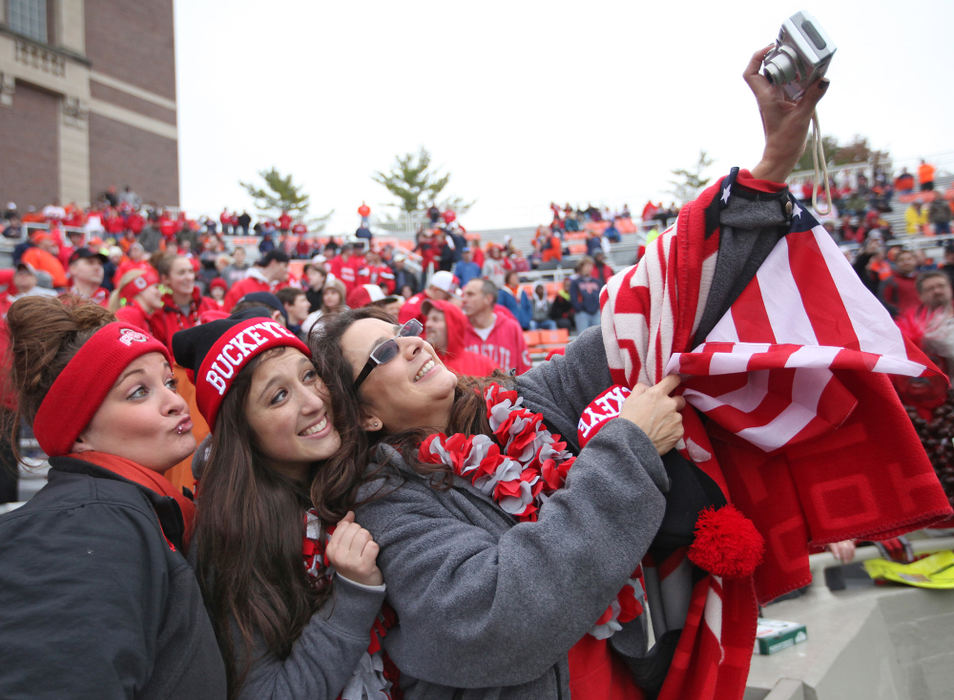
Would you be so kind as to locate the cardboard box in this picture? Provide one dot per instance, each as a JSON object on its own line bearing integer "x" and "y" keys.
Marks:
{"x": 772, "y": 636}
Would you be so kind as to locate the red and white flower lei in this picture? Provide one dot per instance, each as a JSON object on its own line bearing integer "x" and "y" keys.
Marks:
{"x": 375, "y": 675}
{"x": 520, "y": 467}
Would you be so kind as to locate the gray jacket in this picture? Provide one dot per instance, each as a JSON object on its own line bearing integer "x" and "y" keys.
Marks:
{"x": 325, "y": 656}
{"x": 487, "y": 607}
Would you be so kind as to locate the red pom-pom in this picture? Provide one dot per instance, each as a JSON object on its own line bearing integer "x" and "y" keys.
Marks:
{"x": 726, "y": 543}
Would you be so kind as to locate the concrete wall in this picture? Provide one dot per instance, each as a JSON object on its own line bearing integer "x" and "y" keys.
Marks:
{"x": 890, "y": 643}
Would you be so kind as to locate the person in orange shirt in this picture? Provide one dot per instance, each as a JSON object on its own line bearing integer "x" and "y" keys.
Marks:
{"x": 926, "y": 175}
{"x": 42, "y": 257}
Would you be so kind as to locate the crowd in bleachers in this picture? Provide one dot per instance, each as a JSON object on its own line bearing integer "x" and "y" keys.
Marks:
{"x": 124, "y": 233}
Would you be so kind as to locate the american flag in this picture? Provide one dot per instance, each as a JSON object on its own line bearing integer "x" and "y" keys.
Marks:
{"x": 791, "y": 383}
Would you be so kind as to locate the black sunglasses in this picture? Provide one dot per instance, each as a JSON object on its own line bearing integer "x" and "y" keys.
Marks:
{"x": 388, "y": 350}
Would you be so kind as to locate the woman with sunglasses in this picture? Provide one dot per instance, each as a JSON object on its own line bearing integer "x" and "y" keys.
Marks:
{"x": 501, "y": 558}
{"x": 98, "y": 600}
{"x": 508, "y": 600}
{"x": 277, "y": 482}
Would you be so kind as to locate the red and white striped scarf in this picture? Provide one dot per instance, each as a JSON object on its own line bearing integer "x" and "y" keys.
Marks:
{"x": 802, "y": 430}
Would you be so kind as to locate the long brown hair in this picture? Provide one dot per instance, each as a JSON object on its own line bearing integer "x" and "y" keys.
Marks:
{"x": 468, "y": 412}
{"x": 250, "y": 527}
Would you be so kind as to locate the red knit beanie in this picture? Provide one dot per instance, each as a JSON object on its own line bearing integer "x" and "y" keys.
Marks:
{"x": 216, "y": 352}
{"x": 138, "y": 284}
{"x": 78, "y": 391}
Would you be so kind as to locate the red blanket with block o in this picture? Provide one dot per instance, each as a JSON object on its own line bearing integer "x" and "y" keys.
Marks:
{"x": 790, "y": 411}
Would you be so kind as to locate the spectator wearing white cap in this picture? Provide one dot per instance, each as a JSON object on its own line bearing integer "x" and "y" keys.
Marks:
{"x": 373, "y": 295}
{"x": 441, "y": 287}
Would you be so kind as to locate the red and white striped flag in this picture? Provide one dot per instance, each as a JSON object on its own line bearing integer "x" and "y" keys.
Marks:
{"x": 802, "y": 429}
{"x": 805, "y": 311}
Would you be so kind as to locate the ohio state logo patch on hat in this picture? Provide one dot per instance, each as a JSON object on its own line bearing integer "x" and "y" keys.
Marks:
{"x": 128, "y": 336}
{"x": 602, "y": 409}
{"x": 140, "y": 282}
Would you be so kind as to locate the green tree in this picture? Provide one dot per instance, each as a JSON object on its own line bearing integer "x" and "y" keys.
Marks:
{"x": 280, "y": 193}
{"x": 687, "y": 182}
{"x": 415, "y": 184}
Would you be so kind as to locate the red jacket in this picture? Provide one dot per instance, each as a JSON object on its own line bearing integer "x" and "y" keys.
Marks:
{"x": 252, "y": 283}
{"x": 505, "y": 344}
{"x": 346, "y": 270}
{"x": 133, "y": 314}
{"x": 376, "y": 274}
{"x": 456, "y": 358}
{"x": 900, "y": 293}
{"x": 168, "y": 227}
{"x": 171, "y": 320}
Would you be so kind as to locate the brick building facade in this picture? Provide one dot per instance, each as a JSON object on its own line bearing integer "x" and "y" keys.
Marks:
{"x": 87, "y": 100}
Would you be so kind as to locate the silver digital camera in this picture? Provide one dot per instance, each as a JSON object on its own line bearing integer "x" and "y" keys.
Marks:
{"x": 800, "y": 57}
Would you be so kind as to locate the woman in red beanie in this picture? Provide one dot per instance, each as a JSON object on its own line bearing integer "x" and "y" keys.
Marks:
{"x": 97, "y": 597}
{"x": 290, "y": 579}
{"x": 137, "y": 299}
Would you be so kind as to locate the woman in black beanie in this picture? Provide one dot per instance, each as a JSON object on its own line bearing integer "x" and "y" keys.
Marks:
{"x": 289, "y": 578}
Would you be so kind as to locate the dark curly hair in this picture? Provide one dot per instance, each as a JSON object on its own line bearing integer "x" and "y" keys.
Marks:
{"x": 468, "y": 413}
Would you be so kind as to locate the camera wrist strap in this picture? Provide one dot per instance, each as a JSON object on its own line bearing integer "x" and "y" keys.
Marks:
{"x": 818, "y": 156}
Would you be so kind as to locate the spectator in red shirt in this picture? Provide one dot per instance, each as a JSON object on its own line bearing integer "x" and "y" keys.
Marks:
{"x": 494, "y": 335}
{"x": 601, "y": 270}
{"x": 284, "y": 222}
{"x": 445, "y": 327}
{"x": 168, "y": 226}
{"x": 899, "y": 292}
{"x": 86, "y": 276}
{"x": 376, "y": 272}
{"x": 364, "y": 211}
{"x": 135, "y": 223}
{"x": 137, "y": 299}
{"x": 268, "y": 274}
{"x": 135, "y": 260}
{"x": 345, "y": 267}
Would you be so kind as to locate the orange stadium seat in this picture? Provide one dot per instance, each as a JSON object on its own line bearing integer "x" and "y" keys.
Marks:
{"x": 625, "y": 226}
{"x": 561, "y": 336}
{"x": 296, "y": 268}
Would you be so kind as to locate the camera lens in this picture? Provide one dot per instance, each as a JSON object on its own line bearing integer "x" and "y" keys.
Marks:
{"x": 780, "y": 67}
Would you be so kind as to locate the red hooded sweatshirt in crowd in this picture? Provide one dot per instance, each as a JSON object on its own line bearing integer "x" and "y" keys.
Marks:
{"x": 456, "y": 358}
{"x": 505, "y": 343}
{"x": 254, "y": 282}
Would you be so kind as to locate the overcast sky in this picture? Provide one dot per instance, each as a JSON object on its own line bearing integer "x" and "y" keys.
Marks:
{"x": 526, "y": 102}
